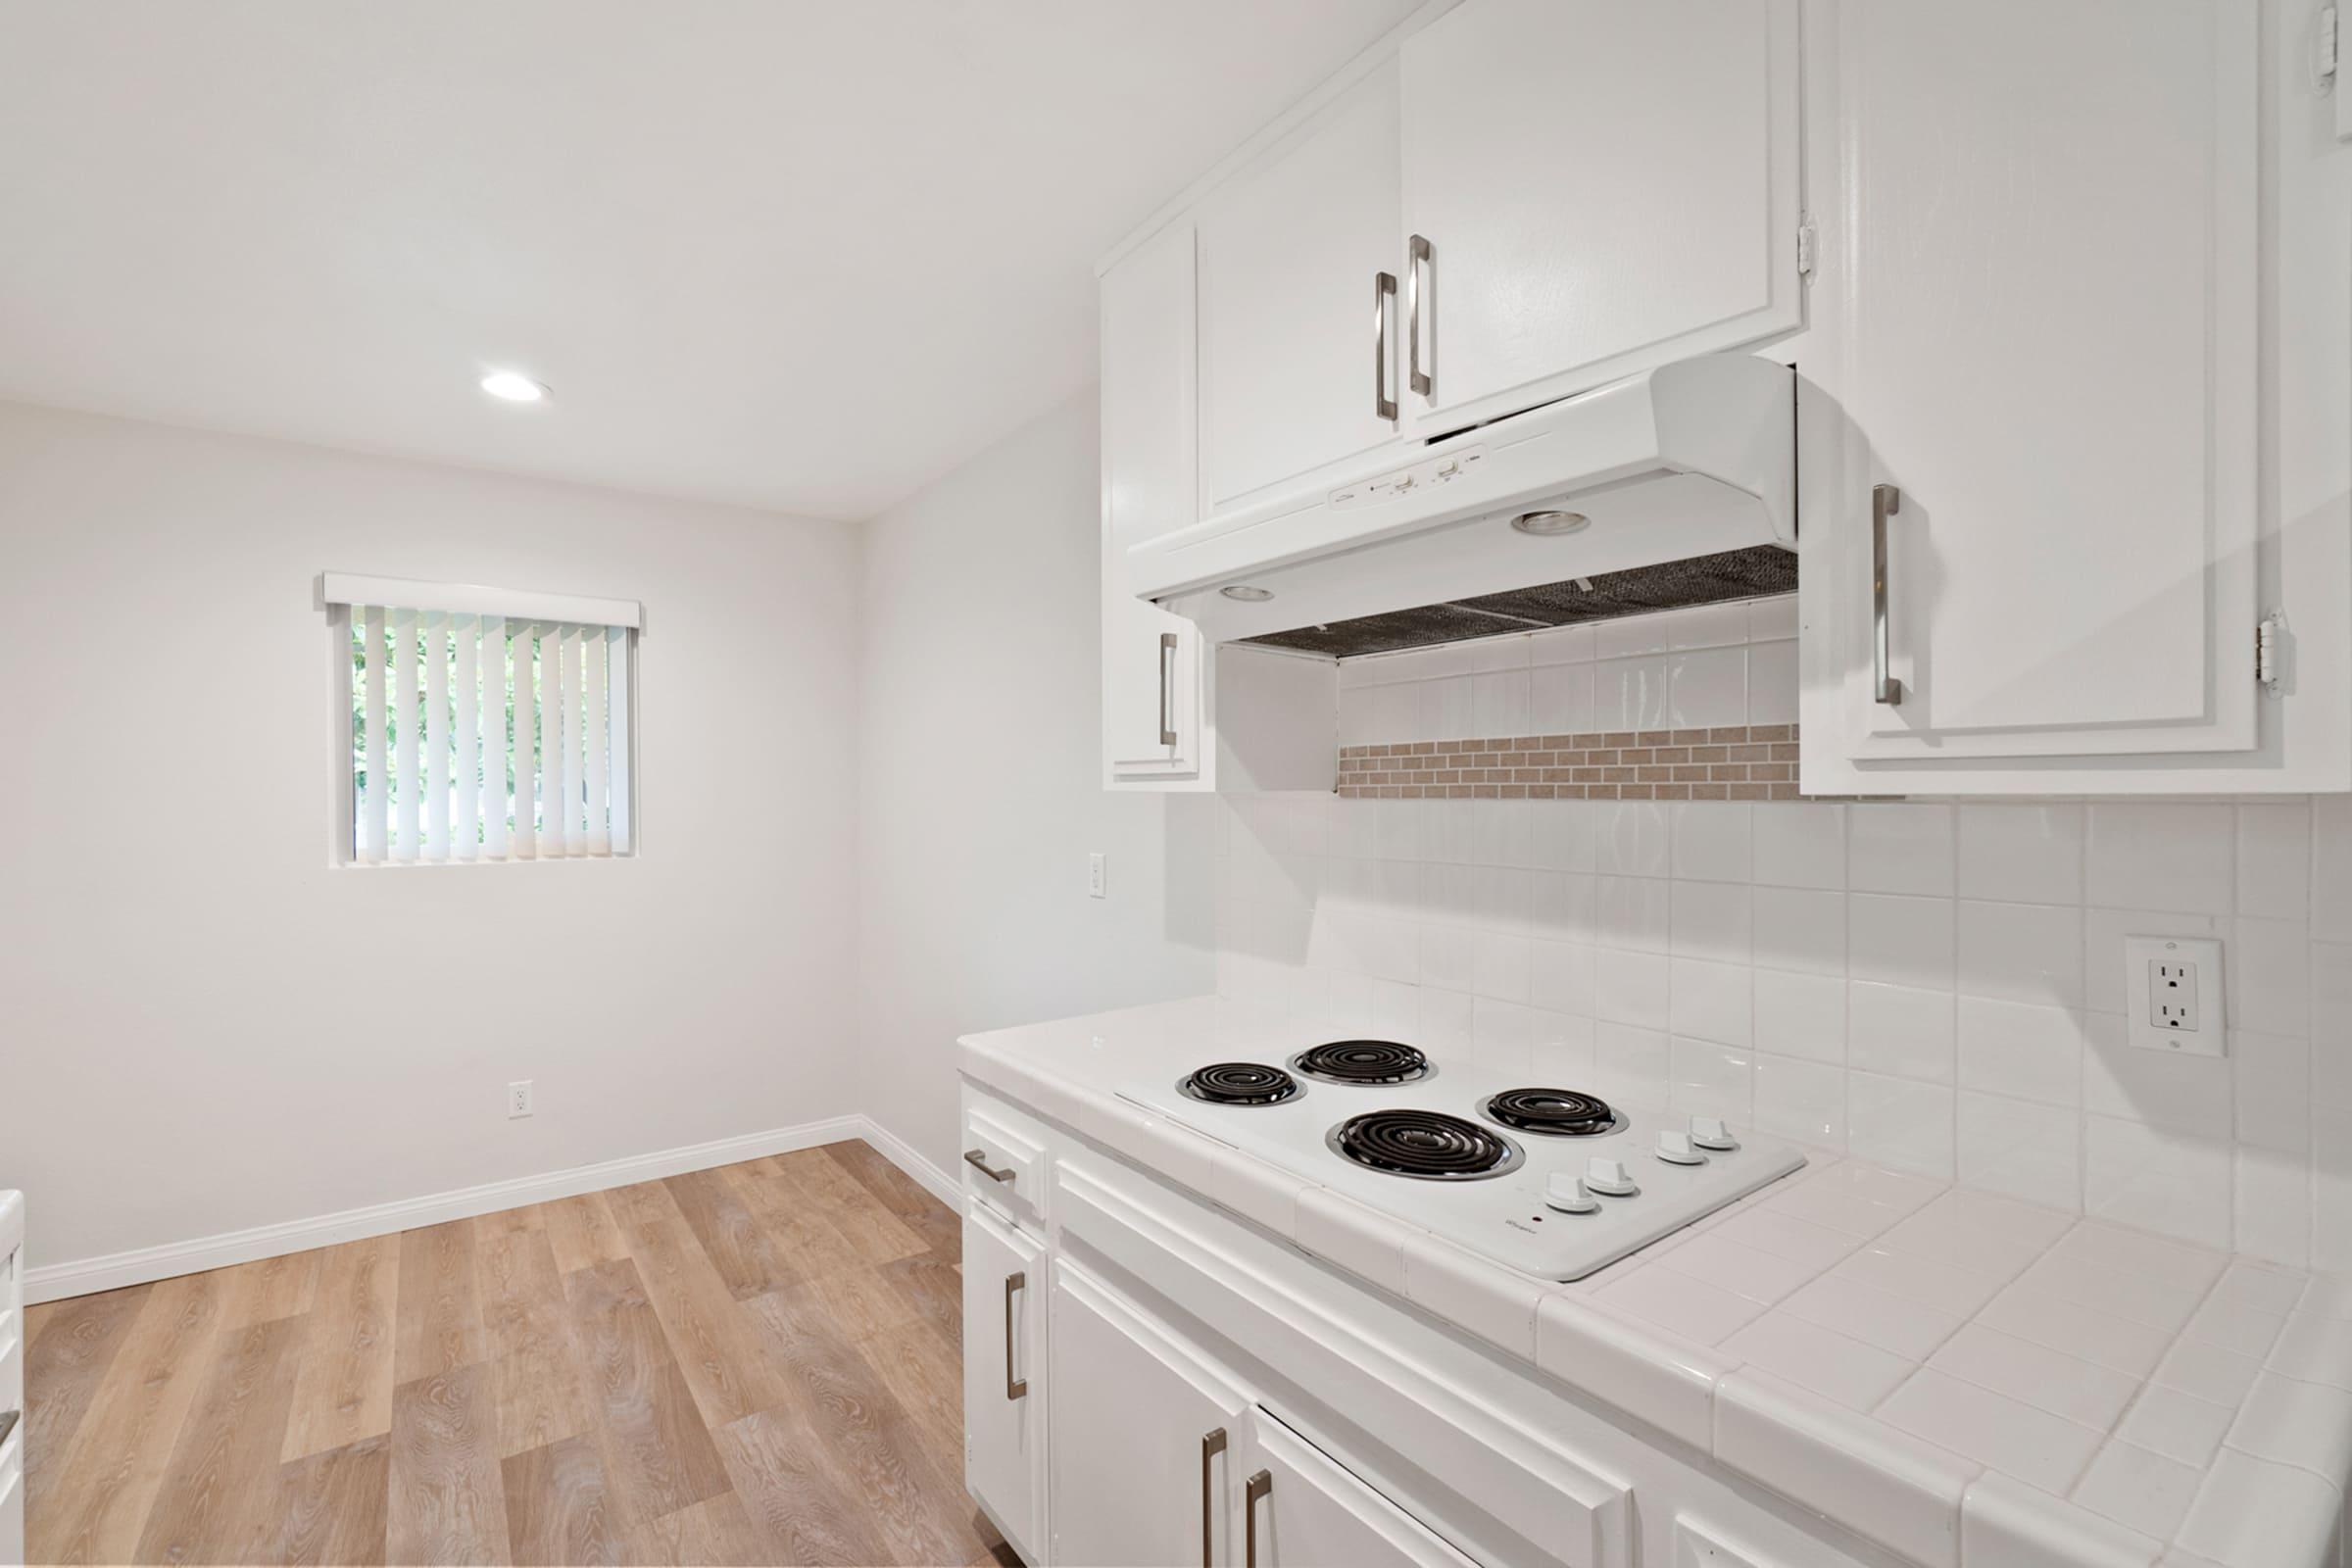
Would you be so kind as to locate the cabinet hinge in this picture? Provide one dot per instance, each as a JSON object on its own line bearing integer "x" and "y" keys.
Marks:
{"x": 2269, "y": 653}
{"x": 1806, "y": 243}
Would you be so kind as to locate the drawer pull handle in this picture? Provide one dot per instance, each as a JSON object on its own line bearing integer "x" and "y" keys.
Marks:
{"x": 1167, "y": 688}
{"x": 977, "y": 1159}
{"x": 1014, "y": 1388}
{"x": 1884, "y": 500}
{"x": 1212, "y": 1444}
{"x": 1260, "y": 1485}
{"x": 1419, "y": 260}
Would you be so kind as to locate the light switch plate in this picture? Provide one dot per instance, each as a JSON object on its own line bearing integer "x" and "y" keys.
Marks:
{"x": 2173, "y": 994}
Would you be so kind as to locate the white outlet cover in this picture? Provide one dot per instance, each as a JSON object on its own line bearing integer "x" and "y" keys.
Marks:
{"x": 2203, "y": 955}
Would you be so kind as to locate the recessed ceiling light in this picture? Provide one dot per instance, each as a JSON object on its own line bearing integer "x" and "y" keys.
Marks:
{"x": 1247, "y": 594}
{"x": 514, "y": 386}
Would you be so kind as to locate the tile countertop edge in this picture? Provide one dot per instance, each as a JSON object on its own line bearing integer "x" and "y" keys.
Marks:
{"x": 1933, "y": 1507}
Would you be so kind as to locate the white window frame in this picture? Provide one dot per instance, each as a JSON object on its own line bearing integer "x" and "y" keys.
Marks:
{"x": 337, "y": 593}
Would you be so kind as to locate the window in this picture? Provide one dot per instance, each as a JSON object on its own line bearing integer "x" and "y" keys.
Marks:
{"x": 482, "y": 724}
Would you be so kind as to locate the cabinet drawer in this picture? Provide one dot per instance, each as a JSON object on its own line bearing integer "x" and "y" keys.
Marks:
{"x": 1003, "y": 1158}
{"x": 1517, "y": 1476}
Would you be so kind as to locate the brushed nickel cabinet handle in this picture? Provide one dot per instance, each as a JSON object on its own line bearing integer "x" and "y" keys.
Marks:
{"x": 1384, "y": 289}
{"x": 1884, "y": 502}
{"x": 1260, "y": 1485}
{"x": 1419, "y": 258}
{"x": 1212, "y": 1444}
{"x": 1168, "y": 687}
{"x": 1014, "y": 1388}
{"x": 977, "y": 1159}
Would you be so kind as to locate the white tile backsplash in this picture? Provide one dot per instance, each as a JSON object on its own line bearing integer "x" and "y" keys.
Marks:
{"x": 1934, "y": 986}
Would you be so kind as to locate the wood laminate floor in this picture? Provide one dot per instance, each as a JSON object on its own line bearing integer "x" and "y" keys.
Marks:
{"x": 760, "y": 1363}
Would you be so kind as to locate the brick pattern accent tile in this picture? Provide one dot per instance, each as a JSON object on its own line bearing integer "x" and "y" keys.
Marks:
{"x": 1732, "y": 762}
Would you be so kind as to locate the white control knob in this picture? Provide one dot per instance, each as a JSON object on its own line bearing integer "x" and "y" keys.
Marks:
{"x": 1566, "y": 1193}
{"x": 1675, "y": 1148}
{"x": 1709, "y": 1132}
{"x": 1609, "y": 1177}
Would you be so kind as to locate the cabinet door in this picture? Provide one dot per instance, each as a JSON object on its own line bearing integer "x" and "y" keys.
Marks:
{"x": 1005, "y": 1375}
{"x": 1605, "y": 187}
{"x": 1297, "y": 337}
{"x": 12, "y": 1406}
{"x": 2037, "y": 321}
{"x": 1154, "y": 729}
{"x": 1155, "y": 700}
{"x": 1145, "y": 1436}
{"x": 1306, "y": 1510}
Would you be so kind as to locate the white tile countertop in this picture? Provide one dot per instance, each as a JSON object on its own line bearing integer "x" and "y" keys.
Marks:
{"x": 1966, "y": 1379}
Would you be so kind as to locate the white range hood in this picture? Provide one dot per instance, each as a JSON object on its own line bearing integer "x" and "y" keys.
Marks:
{"x": 1692, "y": 458}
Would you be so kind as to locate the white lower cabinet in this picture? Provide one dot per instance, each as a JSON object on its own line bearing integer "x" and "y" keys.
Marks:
{"x": 1198, "y": 1391}
{"x": 1304, "y": 1510}
{"x": 1161, "y": 1456}
{"x": 1145, "y": 1436}
{"x": 1004, "y": 1376}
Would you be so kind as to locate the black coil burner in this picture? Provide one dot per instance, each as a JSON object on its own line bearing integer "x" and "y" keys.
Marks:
{"x": 1551, "y": 1112}
{"x": 1241, "y": 1083}
{"x": 1424, "y": 1143}
{"x": 1362, "y": 1061}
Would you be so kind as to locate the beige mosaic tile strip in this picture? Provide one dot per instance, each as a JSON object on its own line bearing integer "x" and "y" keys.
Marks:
{"x": 1732, "y": 762}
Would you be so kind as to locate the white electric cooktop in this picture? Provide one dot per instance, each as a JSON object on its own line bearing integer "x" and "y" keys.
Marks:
{"x": 1541, "y": 1178}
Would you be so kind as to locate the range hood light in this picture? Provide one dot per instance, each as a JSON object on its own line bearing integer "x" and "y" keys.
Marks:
{"x": 1550, "y": 524}
{"x": 1247, "y": 594}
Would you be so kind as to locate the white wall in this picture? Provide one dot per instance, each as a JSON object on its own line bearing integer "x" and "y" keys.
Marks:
{"x": 980, "y": 783}
{"x": 206, "y": 1026}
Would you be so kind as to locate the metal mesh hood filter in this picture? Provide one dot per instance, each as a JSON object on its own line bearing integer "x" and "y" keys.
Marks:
{"x": 1750, "y": 573}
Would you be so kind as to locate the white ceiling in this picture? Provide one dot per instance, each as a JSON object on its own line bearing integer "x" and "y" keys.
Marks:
{"x": 802, "y": 254}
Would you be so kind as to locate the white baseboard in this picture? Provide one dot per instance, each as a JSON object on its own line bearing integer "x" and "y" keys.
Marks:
{"x": 901, "y": 1154}
{"x": 52, "y": 1281}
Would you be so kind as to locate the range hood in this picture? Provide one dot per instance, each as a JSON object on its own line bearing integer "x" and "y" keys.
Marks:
{"x": 1674, "y": 486}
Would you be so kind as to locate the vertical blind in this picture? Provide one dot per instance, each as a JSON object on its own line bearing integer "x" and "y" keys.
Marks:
{"x": 482, "y": 736}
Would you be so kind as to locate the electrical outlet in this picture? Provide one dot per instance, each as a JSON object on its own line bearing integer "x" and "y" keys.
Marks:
{"x": 2173, "y": 994}
{"x": 1096, "y": 883}
{"x": 518, "y": 1098}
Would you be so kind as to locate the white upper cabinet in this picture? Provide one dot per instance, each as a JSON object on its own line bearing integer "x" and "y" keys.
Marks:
{"x": 2038, "y": 324}
{"x": 1164, "y": 686}
{"x": 1149, "y": 381}
{"x": 1297, "y": 316}
{"x": 1154, "y": 728}
{"x": 1602, "y": 186}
